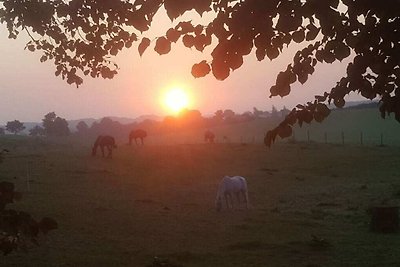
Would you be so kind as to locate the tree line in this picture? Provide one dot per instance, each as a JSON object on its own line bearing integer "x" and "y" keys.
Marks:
{"x": 53, "y": 125}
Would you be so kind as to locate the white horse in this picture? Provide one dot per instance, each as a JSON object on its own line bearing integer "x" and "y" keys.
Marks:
{"x": 231, "y": 185}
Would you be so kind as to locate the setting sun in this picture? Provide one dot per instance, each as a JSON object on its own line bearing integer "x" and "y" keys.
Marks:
{"x": 176, "y": 99}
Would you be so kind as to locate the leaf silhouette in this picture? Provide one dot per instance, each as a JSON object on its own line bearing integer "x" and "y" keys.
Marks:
{"x": 163, "y": 46}
{"x": 143, "y": 45}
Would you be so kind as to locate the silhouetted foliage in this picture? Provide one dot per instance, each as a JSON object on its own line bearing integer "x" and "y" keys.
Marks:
{"x": 82, "y": 127}
{"x": 54, "y": 125}
{"x": 18, "y": 229}
{"x": 228, "y": 114}
{"x": 37, "y": 131}
{"x": 105, "y": 126}
{"x": 257, "y": 113}
{"x": 80, "y": 36}
{"x": 219, "y": 115}
{"x": 190, "y": 118}
{"x": 274, "y": 112}
{"x": 15, "y": 126}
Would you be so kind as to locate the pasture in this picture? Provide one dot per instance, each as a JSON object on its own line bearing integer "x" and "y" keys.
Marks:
{"x": 158, "y": 200}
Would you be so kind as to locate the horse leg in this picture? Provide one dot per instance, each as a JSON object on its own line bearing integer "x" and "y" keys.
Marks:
{"x": 226, "y": 200}
{"x": 245, "y": 199}
{"x": 230, "y": 200}
{"x": 109, "y": 151}
{"x": 102, "y": 150}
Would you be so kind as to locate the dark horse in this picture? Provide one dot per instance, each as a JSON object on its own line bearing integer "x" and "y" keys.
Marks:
{"x": 137, "y": 134}
{"x": 104, "y": 141}
{"x": 209, "y": 136}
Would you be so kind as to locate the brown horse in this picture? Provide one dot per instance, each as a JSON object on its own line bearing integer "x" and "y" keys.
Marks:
{"x": 104, "y": 141}
{"x": 209, "y": 136}
{"x": 137, "y": 134}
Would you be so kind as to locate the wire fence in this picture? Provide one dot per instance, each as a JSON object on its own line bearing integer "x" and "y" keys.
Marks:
{"x": 363, "y": 138}
{"x": 348, "y": 137}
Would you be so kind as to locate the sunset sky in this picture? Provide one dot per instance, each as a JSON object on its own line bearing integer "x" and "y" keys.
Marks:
{"x": 29, "y": 89}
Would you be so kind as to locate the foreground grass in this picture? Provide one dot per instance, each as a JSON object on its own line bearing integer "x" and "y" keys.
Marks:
{"x": 158, "y": 201}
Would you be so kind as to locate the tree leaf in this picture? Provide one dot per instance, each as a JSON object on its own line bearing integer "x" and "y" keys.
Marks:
{"x": 220, "y": 69}
{"x": 143, "y": 45}
{"x": 201, "y": 69}
{"x": 173, "y": 35}
{"x": 339, "y": 102}
{"x": 163, "y": 46}
{"x": 188, "y": 40}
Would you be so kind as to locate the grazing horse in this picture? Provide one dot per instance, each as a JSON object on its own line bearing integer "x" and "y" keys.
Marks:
{"x": 137, "y": 134}
{"x": 104, "y": 141}
{"x": 209, "y": 136}
{"x": 231, "y": 185}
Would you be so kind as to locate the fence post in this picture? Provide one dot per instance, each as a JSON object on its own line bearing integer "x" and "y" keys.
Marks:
{"x": 381, "y": 139}
{"x": 308, "y": 136}
{"x": 326, "y": 138}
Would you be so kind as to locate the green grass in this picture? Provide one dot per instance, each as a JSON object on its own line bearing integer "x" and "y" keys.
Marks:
{"x": 353, "y": 122}
{"x": 158, "y": 200}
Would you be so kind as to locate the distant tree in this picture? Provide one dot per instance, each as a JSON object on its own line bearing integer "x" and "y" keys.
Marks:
{"x": 106, "y": 126}
{"x": 80, "y": 36}
{"x": 82, "y": 127}
{"x": 247, "y": 116}
{"x": 37, "y": 131}
{"x": 15, "y": 126}
{"x": 169, "y": 123}
{"x": 48, "y": 122}
{"x": 190, "y": 118}
{"x": 54, "y": 125}
{"x": 219, "y": 115}
{"x": 2, "y": 131}
{"x": 274, "y": 112}
{"x": 257, "y": 113}
{"x": 229, "y": 115}
{"x": 61, "y": 127}
{"x": 284, "y": 111}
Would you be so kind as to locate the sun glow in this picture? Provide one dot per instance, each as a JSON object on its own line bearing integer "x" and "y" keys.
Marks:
{"x": 176, "y": 99}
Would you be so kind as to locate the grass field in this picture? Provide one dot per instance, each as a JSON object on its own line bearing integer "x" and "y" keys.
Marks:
{"x": 158, "y": 200}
